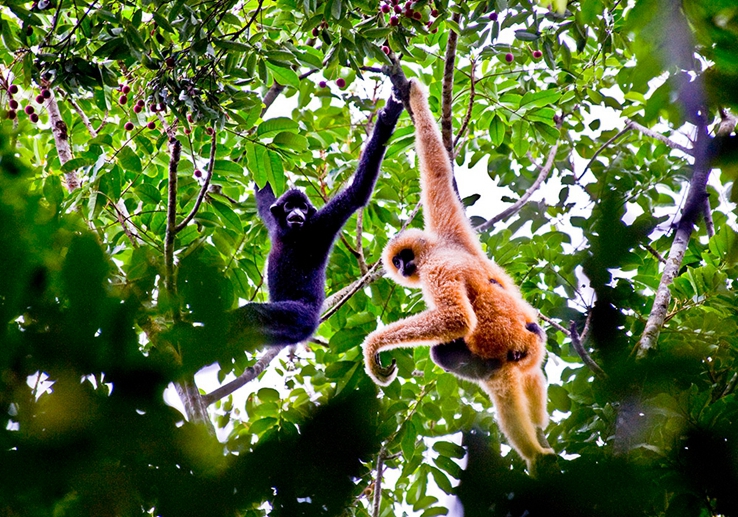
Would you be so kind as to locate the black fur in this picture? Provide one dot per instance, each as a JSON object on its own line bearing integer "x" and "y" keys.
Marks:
{"x": 299, "y": 253}
{"x": 455, "y": 357}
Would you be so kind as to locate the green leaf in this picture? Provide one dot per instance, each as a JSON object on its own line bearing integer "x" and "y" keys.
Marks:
{"x": 268, "y": 394}
{"x": 128, "y": 160}
{"x": 292, "y": 141}
{"x": 540, "y": 98}
{"x": 76, "y": 163}
{"x": 148, "y": 193}
{"x": 276, "y": 125}
{"x": 232, "y": 45}
{"x": 227, "y": 167}
{"x": 524, "y": 35}
{"x": 282, "y": 75}
{"x": 262, "y": 425}
{"x": 497, "y": 130}
{"x": 229, "y": 217}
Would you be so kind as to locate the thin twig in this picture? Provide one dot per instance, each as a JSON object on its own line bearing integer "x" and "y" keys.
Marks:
{"x": 247, "y": 376}
{"x": 658, "y": 136}
{"x": 359, "y": 245}
{"x": 655, "y": 253}
{"x": 707, "y": 217}
{"x": 276, "y": 89}
{"x": 82, "y": 115}
{"x": 603, "y": 147}
{"x": 515, "y": 207}
{"x": 586, "y": 358}
{"x": 204, "y": 188}
{"x": 554, "y": 324}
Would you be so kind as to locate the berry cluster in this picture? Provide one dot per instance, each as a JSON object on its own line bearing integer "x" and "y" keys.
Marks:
{"x": 409, "y": 9}
{"x": 29, "y": 110}
{"x": 138, "y": 107}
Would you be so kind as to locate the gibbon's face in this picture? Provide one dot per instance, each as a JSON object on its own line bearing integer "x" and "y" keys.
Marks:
{"x": 292, "y": 210}
{"x": 404, "y": 261}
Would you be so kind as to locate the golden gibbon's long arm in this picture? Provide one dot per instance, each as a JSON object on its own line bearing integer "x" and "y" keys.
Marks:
{"x": 452, "y": 318}
{"x": 442, "y": 211}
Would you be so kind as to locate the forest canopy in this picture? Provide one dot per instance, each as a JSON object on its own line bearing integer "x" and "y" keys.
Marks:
{"x": 595, "y": 150}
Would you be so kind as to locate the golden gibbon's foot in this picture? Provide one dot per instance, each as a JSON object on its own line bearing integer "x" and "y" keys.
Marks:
{"x": 544, "y": 465}
{"x": 385, "y": 375}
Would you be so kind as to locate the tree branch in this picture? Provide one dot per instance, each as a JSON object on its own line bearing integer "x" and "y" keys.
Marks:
{"x": 82, "y": 115}
{"x": 515, "y": 207}
{"x": 61, "y": 138}
{"x": 378, "y": 482}
{"x": 694, "y": 207}
{"x": 576, "y": 342}
{"x": 448, "y": 90}
{"x": 195, "y": 408}
{"x": 655, "y": 253}
{"x": 467, "y": 117}
{"x": 175, "y": 150}
{"x": 204, "y": 188}
{"x": 603, "y": 147}
{"x": 247, "y": 376}
{"x": 276, "y": 89}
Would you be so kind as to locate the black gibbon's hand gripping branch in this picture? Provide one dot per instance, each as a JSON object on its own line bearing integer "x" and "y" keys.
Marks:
{"x": 301, "y": 240}
{"x": 489, "y": 333}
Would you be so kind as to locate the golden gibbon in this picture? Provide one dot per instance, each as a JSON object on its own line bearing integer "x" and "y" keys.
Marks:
{"x": 478, "y": 324}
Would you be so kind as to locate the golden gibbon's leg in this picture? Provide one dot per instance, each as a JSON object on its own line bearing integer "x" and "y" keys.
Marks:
{"x": 513, "y": 415}
{"x": 535, "y": 390}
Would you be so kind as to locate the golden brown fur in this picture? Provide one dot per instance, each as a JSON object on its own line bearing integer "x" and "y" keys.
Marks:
{"x": 468, "y": 296}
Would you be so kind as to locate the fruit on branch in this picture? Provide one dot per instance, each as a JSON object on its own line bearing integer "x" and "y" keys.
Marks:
{"x": 509, "y": 57}
{"x": 128, "y": 126}
{"x": 341, "y": 82}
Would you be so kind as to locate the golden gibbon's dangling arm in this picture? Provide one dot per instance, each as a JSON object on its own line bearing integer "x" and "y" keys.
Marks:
{"x": 443, "y": 212}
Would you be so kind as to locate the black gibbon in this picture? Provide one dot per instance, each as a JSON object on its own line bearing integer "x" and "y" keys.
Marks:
{"x": 489, "y": 333}
{"x": 301, "y": 240}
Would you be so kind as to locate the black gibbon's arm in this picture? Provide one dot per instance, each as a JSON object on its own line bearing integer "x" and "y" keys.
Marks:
{"x": 301, "y": 241}
{"x": 338, "y": 210}
{"x": 265, "y": 198}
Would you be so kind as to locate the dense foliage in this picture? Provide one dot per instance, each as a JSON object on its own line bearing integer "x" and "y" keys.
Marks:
{"x": 98, "y": 282}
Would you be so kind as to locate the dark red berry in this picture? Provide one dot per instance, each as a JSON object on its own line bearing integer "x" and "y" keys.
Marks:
{"x": 29, "y": 109}
{"x": 123, "y": 99}
{"x": 189, "y": 118}
{"x": 386, "y": 8}
{"x": 509, "y": 57}
{"x": 13, "y": 89}
{"x": 125, "y": 89}
{"x": 417, "y": 15}
{"x": 198, "y": 173}
{"x": 29, "y": 31}
{"x": 128, "y": 126}
{"x": 46, "y": 93}
{"x": 385, "y": 49}
{"x": 140, "y": 102}
{"x": 315, "y": 32}
{"x": 187, "y": 131}
{"x": 40, "y": 99}
{"x": 341, "y": 82}
{"x": 394, "y": 21}
{"x": 209, "y": 131}
{"x": 169, "y": 62}
{"x": 409, "y": 13}
{"x": 33, "y": 117}
{"x": 537, "y": 54}
{"x": 323, "y": 84}
{"x": 13, "y": 104}
{"x": 493, "y": 16}
{"x": 397, "y": 9}
{"x": 434, "y": 30}
{"x": 151, "y": 125}
{"x": 434, "y": 13}
{"x": 408, "y": 4}
{"x": 137, "y": 109}
{"x": 12, "y": 114}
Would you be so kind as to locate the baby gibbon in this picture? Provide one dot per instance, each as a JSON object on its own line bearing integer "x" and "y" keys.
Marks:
{"x": 480, "y": 327}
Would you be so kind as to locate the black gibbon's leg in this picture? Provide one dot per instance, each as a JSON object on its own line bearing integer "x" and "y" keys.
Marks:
{"x": 455, "y": 357}
{"x": 272, "y": 323}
